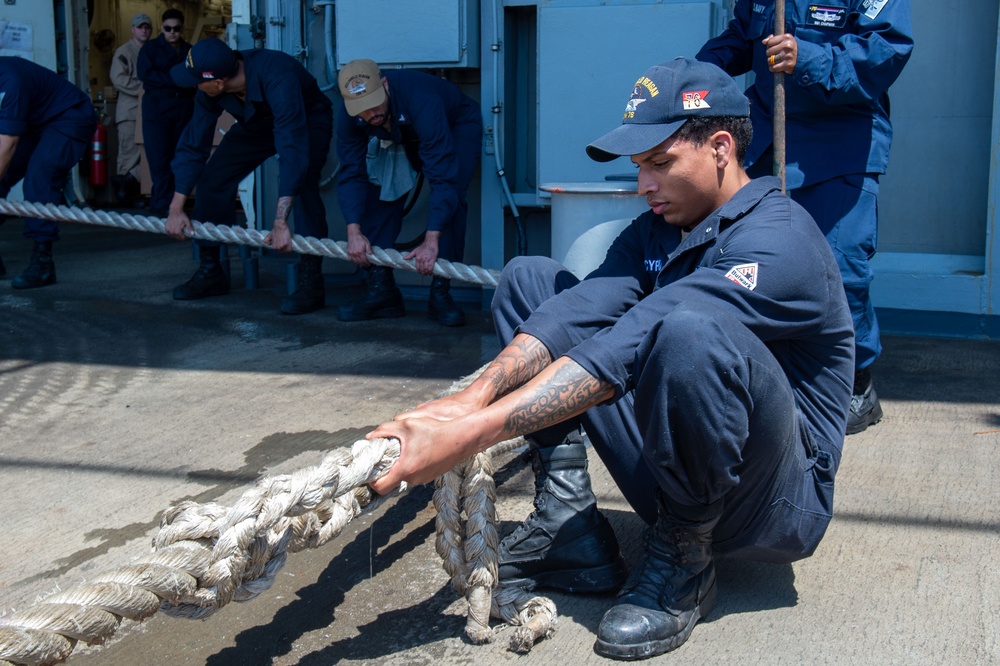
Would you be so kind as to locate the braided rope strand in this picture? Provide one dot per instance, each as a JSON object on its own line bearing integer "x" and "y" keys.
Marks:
{"x": 481, "y": 542}
{"x": 204, "y": 556}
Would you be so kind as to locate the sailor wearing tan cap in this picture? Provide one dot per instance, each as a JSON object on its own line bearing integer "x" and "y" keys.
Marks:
{"x": 440, "y": 131}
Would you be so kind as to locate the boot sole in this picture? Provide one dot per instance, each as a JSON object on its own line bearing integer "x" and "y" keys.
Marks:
{"x": 653, "y": 648}
{"x": 31, "y": 285}
{"x": 192, "y": 297}
{"x": 607, "y": 578}
{"x": 446, "y": 322}
{"x": 870, "y": 420}
{"x": 384, "y": 313}
{"x": 291, "y": 309}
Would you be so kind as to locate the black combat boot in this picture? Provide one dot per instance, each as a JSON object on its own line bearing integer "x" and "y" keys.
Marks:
{"x": 440, "y": 306}
{"x": 383, "y": 300}
{"x": 674, "y": 588}
{"x": 133, "y": 191}
{"x": 118, "y": 185}
{"x": 41, "y": 270}
{"x": 865, "y": 407}
{"x": 208, "y": 280}
{"x": 311, "y": 293}
{"x": 126, "y": 189}
{"x": 566, "y": 543}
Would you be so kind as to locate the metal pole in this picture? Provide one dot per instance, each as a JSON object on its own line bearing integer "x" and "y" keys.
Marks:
{"x": 779, "y": 101}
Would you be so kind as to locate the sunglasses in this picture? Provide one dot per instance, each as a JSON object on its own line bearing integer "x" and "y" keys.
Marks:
{"x": 173, "y": 28}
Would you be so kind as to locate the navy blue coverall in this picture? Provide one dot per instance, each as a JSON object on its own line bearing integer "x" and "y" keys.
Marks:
{"x": 731, "y": 351}
{"x": 284, "y": 113}
{"x": 441, "y": 130}
{"x": 54, "y": 121}
{"x": 166, "y": 110}
{"x": 837, "y": 121}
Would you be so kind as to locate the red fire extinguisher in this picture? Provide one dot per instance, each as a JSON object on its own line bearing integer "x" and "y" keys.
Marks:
{"x": 99, "y": 156}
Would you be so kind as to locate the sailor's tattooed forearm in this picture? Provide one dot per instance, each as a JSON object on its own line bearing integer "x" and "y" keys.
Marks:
{"x": 524, "y": 358}
{"x": 284, "y": 209}
{"x": 569, "y": 392}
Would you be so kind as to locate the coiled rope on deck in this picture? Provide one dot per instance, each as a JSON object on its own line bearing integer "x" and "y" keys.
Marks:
{"x": 324, "y": 247}
{"x": 206, "y": 555}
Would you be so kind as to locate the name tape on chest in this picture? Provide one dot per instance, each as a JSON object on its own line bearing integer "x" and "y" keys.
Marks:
{"x": 824, "y": 16}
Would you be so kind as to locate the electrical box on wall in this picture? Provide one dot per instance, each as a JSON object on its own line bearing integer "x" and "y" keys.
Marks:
{"x": 588, "y": 60}
{"x": 429, "y": 33}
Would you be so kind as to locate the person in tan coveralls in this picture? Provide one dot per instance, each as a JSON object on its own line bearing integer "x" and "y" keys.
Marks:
{"x": 125, "y": 81}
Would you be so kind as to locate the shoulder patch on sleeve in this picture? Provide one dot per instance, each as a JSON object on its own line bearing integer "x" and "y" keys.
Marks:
{"x": 873, "y": 7}
{"x": 744, "y": 275}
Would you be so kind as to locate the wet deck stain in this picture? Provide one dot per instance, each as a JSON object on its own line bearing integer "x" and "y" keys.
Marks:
{"x": 272, "y": 450}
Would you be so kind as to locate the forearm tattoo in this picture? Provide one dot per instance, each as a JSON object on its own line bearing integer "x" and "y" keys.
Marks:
{"x": 517, "y": 364}
{"x": 569, "y": 392}
{"x": 284, "y": 208}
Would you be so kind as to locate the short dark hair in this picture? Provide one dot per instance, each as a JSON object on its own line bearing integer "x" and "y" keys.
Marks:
{"x": 172, "y": 14}
{"x": 697, "y": 131}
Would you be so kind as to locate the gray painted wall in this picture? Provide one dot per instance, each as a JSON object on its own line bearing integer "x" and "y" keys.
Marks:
{"x": 556, "y": 70}
{"x": 934, "y": 196}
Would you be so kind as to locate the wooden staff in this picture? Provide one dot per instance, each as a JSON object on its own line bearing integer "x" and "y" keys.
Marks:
{"x": 779, "y": 101}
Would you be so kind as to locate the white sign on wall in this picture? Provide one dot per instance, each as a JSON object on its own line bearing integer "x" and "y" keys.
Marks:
{"x": 16, "y": 39}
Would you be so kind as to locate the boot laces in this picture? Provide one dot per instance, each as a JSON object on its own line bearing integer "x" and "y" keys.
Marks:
{"x": 206, "y": 272}
{"x": 527, "y": 525}
{"x": 539, "y": 501}
{"x": 667, "y": 564}
{"x": 38, "y": 266}
{"x": 445, "y": 301}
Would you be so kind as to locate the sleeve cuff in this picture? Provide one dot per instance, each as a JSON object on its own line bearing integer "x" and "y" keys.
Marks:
{"x": 549, "y": 331}
{"x": 593, "y": 357}
{"x": 808, "y": 69}
{"x": 13, "y": 127}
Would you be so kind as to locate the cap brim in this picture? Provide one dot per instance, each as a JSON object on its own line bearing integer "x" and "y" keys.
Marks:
{"x": 369, "y": 101}
{"x": 631, "y": 139}
{"x": 184, "y": 77}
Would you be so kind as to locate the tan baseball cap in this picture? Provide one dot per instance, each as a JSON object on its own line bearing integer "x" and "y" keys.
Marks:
{"x": 361, "y": 86}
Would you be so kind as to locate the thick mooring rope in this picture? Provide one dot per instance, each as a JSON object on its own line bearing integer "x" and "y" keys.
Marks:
{"x": 206, "y": 555}
{"x": 207, "y": 231}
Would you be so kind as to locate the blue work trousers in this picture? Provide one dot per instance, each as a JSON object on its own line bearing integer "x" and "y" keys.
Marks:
{"x": 43, "y": 159}
{"x": 846, "y": 210}
{"x": 245, "y": 147}
{"x": 383, "y": 220}
{"x": 711, "y": 416}
{"x": 163, "y": 122}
